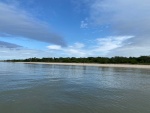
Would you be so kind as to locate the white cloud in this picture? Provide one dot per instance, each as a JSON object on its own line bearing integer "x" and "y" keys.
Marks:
{"x": 17, "y": 22}
{"x": 78, "y": 45}
{"x": 112, "y": 42}
{"x": 54, "y": 47}
{"x": 101, "y": 47}
{"x": 74, "y": 50}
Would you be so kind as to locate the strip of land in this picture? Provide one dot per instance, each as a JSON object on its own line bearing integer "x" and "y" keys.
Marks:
{"x": 93, "y": 64}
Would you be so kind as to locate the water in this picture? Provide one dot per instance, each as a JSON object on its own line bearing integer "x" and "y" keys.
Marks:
{"x": 32, "y": 88}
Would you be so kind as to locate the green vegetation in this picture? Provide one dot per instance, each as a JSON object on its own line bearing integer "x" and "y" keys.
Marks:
{"x": 103, "y": 60}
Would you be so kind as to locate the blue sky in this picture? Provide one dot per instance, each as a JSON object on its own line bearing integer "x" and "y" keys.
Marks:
{"x": 74, "y": 28}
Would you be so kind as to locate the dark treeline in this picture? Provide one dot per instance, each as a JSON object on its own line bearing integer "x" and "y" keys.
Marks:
{"x": 104, "y": 60}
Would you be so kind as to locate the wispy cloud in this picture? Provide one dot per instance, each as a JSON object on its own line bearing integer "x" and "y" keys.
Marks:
{"x": 84, "y": 24}
{"x": 17, "y": 22}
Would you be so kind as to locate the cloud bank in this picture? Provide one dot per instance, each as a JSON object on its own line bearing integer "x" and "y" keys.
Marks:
{"x": 18, "y": 23}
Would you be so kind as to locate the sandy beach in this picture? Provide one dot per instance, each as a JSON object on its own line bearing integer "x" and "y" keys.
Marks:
{"x": 93, "y": 64}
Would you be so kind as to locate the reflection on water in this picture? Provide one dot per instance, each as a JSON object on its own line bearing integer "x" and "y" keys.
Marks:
{"x": 32, "y": 88}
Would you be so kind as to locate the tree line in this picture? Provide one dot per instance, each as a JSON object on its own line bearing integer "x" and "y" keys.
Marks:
{"x": 103, "y": 60}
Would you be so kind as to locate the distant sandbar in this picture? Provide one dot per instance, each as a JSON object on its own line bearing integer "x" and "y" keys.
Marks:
{"x": 93, "y": 64}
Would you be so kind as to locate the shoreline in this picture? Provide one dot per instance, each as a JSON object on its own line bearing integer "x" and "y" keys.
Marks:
{"x": 92, "y": 64}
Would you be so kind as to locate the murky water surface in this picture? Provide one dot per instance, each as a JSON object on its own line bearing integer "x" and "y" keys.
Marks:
{"x": 32, "y": 88}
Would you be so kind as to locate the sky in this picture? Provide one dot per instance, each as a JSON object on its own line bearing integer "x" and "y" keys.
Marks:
{"x": 74, "y": 28}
